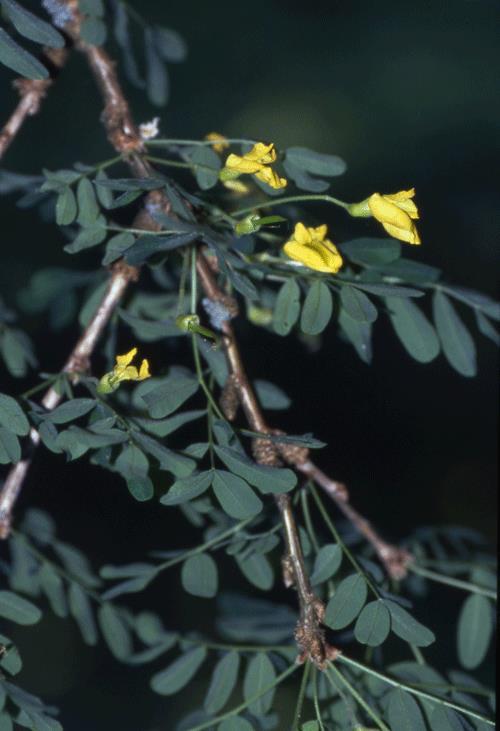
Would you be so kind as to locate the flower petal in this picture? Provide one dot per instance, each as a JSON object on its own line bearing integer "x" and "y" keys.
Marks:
{"x": 144, "y": 371}
{"x": 264, "y": 154}
{"x": 409, "y": 235}
{"x": 317, "y": 257}
{"x": 302, "y": 235}
{"x": 127, "y": 374}
{"x": 269, "y": 176}
{"x": 124, "y": 360}
{"x": 220, "y": 142}
{"x": 242, "y": 164}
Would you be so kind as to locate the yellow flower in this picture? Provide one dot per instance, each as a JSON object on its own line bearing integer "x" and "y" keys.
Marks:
{"x": 311, "y": 248}
{"x": 254, "y": 162}
{"x": 395, "y": 212}
{"x": 123, "y": 371}
{"x": 220, "y": 142}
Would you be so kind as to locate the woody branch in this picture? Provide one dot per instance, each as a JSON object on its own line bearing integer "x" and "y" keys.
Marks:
{"x": 31, "y": 92}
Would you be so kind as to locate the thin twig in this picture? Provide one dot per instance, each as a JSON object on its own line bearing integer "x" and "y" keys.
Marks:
{"x": 396, "y": 560}
{"x": 32, "y": 93}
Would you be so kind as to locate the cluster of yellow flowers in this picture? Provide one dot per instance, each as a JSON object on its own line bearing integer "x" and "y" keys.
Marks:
{"x": 396, "y": 213}
{"x": 310, "y": 246}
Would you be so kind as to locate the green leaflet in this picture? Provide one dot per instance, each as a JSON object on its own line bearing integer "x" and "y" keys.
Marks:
{"x": 259, "y": 675}
{"x": 358, "y": 333}
{"x": 267, "y": 479}
{"x": 287, "y": 307}
{"x": 53, "y": 587}
{"x": 317, "y": 309}
{"x": 178, "y": 674}
{"x": 413, "y": 329}
{"x": 347, "y": 602}
{"x": 404, "y": 713}
{"x": 167, "y": 397}
{"x": 474, "y": 630}
{"x": 157, "y": 80}
{"x": 18, "y": 610}
{"x": 235, "y": 496}
{"x": 115, "y": 632}
{"x": 66, "y": 207}
{"x": 199, "y": 576}
{"x": 81, "y": 609}
{"x": 19, "y": 60}
{"x": 206, "y": 166}
{"x": 31, "y": 26}
{"x": 357, "y": 305}
{"x": 456, "y": 341}
{"x": 327, "y": 563}
{"x": 12, "y": 417}
{"x": 407, "y": 627}
{"x": 71, "y": 410}
{"x": 10, "y": 449}
{"x": 88, "y": 208}
{"x": 187, "y": 488}
{"x": 224, "y": 678}
{"x": 271, "y": 396}
{"x": 257, "y": 570}
{"x": 371, "y": 251}
{"x": 373, "y": 624}
{"x": 235, "y": 723}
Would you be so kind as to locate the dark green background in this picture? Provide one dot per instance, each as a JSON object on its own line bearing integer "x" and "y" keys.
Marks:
{"x": 407, "y": 93}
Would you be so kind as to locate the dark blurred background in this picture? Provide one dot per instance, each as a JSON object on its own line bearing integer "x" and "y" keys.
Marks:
{"x": 407, "y": 94}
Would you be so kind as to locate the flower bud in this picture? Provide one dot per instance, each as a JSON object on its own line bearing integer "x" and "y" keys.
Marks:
{"x": 187, "y": 323}
{"x": 259, "y": 315}
{"x": 248, "y": 225}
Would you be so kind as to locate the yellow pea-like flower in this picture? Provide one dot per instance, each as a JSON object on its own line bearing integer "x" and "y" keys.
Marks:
{"x": 220, "y": 142}
{"x": 254, "y": 162}
{"x": 395, "y": 211}
{"x": 123, "y": 371}
{"x": 310, "y": 247}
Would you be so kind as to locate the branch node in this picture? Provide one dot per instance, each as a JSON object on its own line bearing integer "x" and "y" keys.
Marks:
{"x": 265, "y": 452}
{"x": 293, "y": 454}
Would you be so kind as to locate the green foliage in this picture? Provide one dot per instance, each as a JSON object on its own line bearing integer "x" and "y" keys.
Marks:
{"x": 209, "y": 478}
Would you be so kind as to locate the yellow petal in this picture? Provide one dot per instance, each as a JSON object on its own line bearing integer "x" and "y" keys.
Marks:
{"x": 267, "y": 175}
{"x": 127, "y": 374}
{"x": 144, "y": 371}
{"x": 403, "y": 201}
{"x": 264, "y": 154}
{"x": 242, "y": 164}
{"x": 408, "y": 235}
{"x": 302, "y": 234}
{"x": 319, "y": 233}
{"x": 124, "y": 360}
{"x": 387, "y": 212}
{"x": 315, "y": 256}
{"x": 220, "y": 142}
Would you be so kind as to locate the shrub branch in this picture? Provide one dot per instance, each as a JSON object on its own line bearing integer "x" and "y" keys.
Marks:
{"x": 32, "y": 93}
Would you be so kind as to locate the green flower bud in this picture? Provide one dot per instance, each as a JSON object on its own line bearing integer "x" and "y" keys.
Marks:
{"x": 248, "y": 225}
{"x": 187, "y": 323}
{"x": 259, "y": 315}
